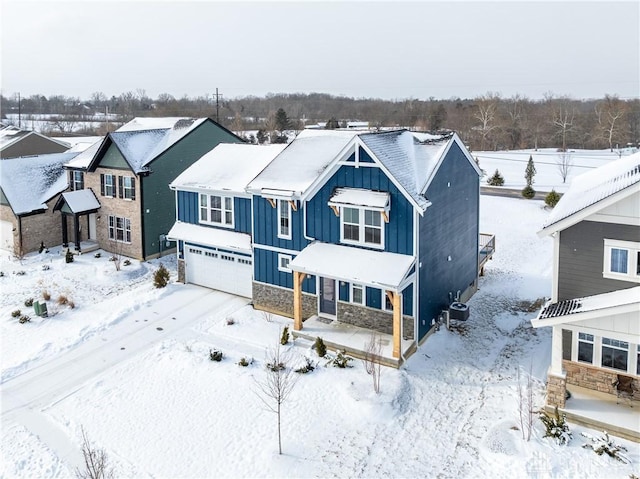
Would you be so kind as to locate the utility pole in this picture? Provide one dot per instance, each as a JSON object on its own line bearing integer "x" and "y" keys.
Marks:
{"x": 218, "y": 95}
{"x": 19, "y": 112}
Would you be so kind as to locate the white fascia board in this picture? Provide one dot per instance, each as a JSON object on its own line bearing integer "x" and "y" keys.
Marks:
{"x": 212, "y": 191}
{"x": 584, "y": 213}
{"x": 334, "y": 166}
{"x": 593, "y": 314}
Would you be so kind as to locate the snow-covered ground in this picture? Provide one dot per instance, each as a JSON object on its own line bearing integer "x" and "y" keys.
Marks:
{"x": 512, "y": 165}
{"x": 130, "y": 364}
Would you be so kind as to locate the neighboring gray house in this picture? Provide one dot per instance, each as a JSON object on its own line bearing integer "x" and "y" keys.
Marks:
{"x": 595, "y": 304}
{"x": 15, "y": 142}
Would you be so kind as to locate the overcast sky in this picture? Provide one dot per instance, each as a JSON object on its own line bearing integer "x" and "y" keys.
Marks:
{"x": 389, "y": 50}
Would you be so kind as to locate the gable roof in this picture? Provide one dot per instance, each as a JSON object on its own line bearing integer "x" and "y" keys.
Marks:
{"x": 83, "y": 159}
{"x": 139, "y": 147}
{"x": 571, "y": 310}
{"x": 79, "y": 201}
{"x": 302, "y": 161}
{"x": 10, "y": 135}
{"x": 229, "y": 166}
{"x": 589, "y": 191}
{"x": 28, "y": 183}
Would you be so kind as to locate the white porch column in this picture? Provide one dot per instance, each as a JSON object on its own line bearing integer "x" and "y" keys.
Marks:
{"x": 556, "y": 351}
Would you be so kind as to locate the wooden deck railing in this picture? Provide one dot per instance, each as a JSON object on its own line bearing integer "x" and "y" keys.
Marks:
{"x": 487, "y": 246}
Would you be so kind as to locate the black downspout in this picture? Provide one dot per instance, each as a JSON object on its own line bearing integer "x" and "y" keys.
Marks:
{"x": 65, "y": 235}
{"x": 76, "y": 228}
{"x": 20, "y": 235}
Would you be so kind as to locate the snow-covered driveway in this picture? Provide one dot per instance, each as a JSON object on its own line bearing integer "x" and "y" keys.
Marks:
{"x": 26, "y": 394}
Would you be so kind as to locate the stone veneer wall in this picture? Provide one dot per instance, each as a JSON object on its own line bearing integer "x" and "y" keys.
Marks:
{"x": 280, "y": 300}
{"x": 375, "y": 319}
{"x": 556, "y": 390}
{"x": 595, "y": 378}
{"x": 181, "y": 273}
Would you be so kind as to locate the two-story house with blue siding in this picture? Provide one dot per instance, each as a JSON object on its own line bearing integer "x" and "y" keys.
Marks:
{"x": 595, "y": 305}
{"x": 378, "y": 230}
{"x": 214, "y": 217}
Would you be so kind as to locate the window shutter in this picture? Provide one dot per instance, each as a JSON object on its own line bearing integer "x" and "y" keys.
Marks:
{"x": 71, "y": 182}
{"x": 119, "y": 187}
{"x": 101, "y": 184}
{"x": 82, "y": 181}
{"x": 133, "y": 188}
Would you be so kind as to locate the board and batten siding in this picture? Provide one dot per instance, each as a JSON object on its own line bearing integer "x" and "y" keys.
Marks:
{"x": 158, "y": 201}
{"x": 189, "y": 211}
{"x": 265, "y": 270}
{"x": 448, "y": 229}
{"x": 581, "y": 258}
{"x": 265, "y": 226}
{"x": 324, "y": 225}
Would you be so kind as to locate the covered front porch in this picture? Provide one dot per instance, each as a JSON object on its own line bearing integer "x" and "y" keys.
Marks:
{"x": 363, "y": 271}
{"x": 353, "y": 339}
{"x": 76, "y": 204}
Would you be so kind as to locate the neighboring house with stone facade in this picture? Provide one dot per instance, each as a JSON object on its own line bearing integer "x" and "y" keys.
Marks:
{"x": 129, "y": 173}
{"x": 213, "y": 227}
{"x": 29, "y": 190}
{"x": 595, "y": 305}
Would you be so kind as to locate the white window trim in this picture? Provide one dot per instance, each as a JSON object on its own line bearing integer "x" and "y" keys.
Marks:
{"x": 361, "y": 227}
{"x": 125, "y": 222}
{"x": 384, "y": 302}
{"x": 632, "y": 258}
{"x": 113, "y": 185}
{"x": 279, "y": 211}
{"x": 364, "y": 293}
{"x": 222, "y": 223}
{"x": 280, "y": 258}
{"x": 78, "y": 179}
{"x": 619, "y": 348}
{"x": 131, "y": 189}
{"x": 586, "y": 341}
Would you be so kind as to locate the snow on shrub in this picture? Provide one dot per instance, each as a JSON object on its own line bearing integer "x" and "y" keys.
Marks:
{"x": 556, "y": 427}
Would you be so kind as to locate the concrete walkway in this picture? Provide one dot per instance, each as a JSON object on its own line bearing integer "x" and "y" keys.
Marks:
{"x": 27, "y": 395}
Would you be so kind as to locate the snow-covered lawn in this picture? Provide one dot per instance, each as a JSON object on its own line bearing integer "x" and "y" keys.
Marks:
{"x": 168, "y": 411}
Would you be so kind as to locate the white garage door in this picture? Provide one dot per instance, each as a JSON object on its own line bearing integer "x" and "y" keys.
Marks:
{"x": 6, "y": 236}
{"x": 218, "y": 269}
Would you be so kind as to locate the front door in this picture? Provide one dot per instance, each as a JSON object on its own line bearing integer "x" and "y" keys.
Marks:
{"x": 92, "y": 227}
{"x": 327, "y": 306}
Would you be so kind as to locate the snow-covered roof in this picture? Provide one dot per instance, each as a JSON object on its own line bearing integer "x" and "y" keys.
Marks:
{"x": 141, "y": 146}
{"x": 79, "y": 143}
{"x": 28, "y": 183}
{"x": 570, "y": 310}
{"x": 378, "y": 269}
{"x": 302, "y": 161}
{"x": 591, "y": 188}
{"x": 82, "y": 159}
{"x": 360, "y": 197}
{"x": 228, "y": 167}
{"x": 209, "y": 236}
{"x": 10, "y": 135}
{"x": 80, "y": 201}
{"x": 409, "y": 157}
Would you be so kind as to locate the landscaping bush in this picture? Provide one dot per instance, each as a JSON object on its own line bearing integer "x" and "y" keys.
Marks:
{"x": 68, "y": 257}
{"x": 45, "y": 295}
{"x": 24, "y": 319}
{"x": 320, "y": 348}
{"x": 62, "y": 300}
{"x": 496, "y": 180}
{"x": 126, "y": 262}
{"x": 16, "y": 313}
{"x": 161, "y": 277}
{"x": 341, "y": 360}
{"x": 41, "y": 248}
{"x": 552, "y": 198}
{"x": 215, "y": 355}
{"x": 21, "y": 273}
{"x": 274, "y": 367}
{"x": 97, "y": 255}
{"x": 528, "y": 192}
{"x": 605, "y": 445}
{"x": 28, "y": 302}
{"x": 556, "y": 427}
{"x": 45, "y": 267}
{"x": 307, "y": 368}
{"x": 284, "y": 339}
{"x": 244, "y": 363}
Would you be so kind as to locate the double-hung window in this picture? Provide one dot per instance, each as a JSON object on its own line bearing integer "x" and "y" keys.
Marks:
{"x": 621, "y": 260}
{"x": 357, "y": 293}
{"x": 77, "y": 180}
{"x": 108, "y": 185}
{"x": 119, "y": 229}
{"x": 216, "y": 209}
{"x": 585, "y": 348}
{"x": 127, "y": 186}
{"x": 615, "y": 354}
{"x": 362, "y": 226}
{"x": 284, "y": 219}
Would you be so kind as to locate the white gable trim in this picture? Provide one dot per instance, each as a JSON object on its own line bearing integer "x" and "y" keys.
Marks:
{"x": 592, "y": 209}
{"x": 454, "y": 139}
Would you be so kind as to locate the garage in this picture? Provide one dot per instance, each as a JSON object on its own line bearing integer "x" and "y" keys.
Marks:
{"x": 219, "y": 269}
{"x": 6, "y": 236}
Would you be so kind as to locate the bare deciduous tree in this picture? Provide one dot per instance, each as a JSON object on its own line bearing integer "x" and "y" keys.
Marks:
{"x": 96, "y": 462}
{"x": 565, "y": 163}
{"x": 610, "y": 113}
{"x": 373, "y": 351}
{"x": 486, "y": 114}
{"x": 277, "y": 385}
{"x": 525, "y": 402}
{"x": 563, "y": 116}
